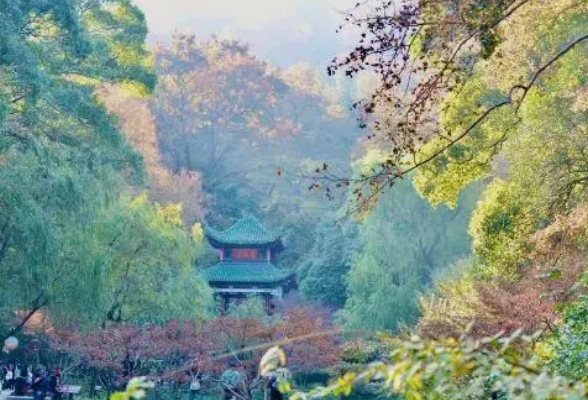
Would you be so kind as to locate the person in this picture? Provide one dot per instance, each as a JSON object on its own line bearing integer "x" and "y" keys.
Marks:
{"x": 20, "y": 384}
{"x": 272, "y": 385}
{"x": 55, "y": 384}
{"x": 39, "y": 385}
{"x": 4, "y": 373}
{"x": 9, "y": 378}
{"x": 29, "y": 376}
{"x": 194, "y": 386}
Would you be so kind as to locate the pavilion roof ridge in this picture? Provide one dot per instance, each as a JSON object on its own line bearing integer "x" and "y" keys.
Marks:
{"x": 246, "y": 231}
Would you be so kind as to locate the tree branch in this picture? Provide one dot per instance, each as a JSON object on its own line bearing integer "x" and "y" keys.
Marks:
{"x": 39, "y": 302}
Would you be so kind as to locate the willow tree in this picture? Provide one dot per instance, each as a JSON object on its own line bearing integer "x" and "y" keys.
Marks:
{"x": 402, "y": 244}
{"x": 63, "y": 161}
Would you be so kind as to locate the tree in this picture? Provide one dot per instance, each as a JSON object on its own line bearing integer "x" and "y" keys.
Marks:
{"x": 65, "y": 214}
{"x": 498, "y": 101}
{"x": 566, "y": 349}
{"x": 210, "y": 94}
{"x": 119, "y": 351}
{"x": 226, "y": 116}
{"x": 143, "y": 267}
{"x": 532, "y": 302}
{"x": 402, "y": 244}
{"x": 429, "y": 54}
{"x": 131, "y": 261}
{"x": 321, "y": 275}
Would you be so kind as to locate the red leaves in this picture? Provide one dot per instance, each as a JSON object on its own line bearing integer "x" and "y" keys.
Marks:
{"x": 109, "y": 347}
{"x": 529, "y": 304}
{"x": 305, "y": 352}
{"x": 183, "y": 345}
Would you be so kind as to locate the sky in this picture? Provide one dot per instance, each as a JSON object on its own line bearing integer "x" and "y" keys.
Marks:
{"x": 284, "y": 32}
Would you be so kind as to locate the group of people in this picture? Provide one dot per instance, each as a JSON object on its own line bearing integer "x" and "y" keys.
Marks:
{"x": 23, "y": 381}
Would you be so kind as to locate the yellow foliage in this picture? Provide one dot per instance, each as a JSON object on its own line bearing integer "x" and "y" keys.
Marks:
{"x": 170, "y": 214}
{"x": 136, "y": 389}
{"x": 140, "y": 200}
{"x": 197, "y": 232}
{"x": 135, "y": 89}
{"x": 544, "y": 351}
{"x": 456, "y": 302}
{"x": 500, "y": 227}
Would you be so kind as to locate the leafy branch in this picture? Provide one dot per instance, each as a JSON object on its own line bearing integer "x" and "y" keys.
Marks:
{"x": 389, "y": 171}
{"x": 451, "y": 368}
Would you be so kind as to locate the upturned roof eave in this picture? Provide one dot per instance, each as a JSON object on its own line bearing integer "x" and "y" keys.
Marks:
{"x": 273, "y": 276}
{"x": 249, "y": 283}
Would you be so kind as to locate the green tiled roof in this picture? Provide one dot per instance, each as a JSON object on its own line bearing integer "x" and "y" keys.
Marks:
{"x": 247, "y": 231}
{"x": 245, "y": 272}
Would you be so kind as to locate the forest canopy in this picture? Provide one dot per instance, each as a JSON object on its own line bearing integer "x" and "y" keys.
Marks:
{"x": 427, "y": 192}
{"x": 68, "y": 208}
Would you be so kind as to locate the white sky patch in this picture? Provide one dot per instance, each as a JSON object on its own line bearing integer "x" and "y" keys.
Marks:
{"x": 165, "y": 16}
{"x": 282, "y": 32}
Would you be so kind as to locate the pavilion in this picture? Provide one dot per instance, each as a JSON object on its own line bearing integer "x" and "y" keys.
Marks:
{"x": 247, "y": 251}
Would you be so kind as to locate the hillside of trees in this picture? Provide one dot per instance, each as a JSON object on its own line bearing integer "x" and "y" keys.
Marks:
{"x": 429, "y": 187}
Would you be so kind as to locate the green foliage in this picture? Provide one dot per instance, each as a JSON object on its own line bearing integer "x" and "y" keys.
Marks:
{"x": 360, "y": 352}
{"x": 500, "y": 227}
{"x": 567, "y": 349}
{"x": 251, "y": 308}
{"x": 446, "y": 176}
{"x": 143, "y": 270}
{"x": 492, "y": 367}
{"x": 402, "y": 244}
{"x": 321, "y": 275}
{"x": 532, "y": 150}
{"x": 125, "y": 262}
{"x": 71, "y": 241}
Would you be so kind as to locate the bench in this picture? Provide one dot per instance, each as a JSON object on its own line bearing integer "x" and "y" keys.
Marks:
{"x": 70, "y": 390}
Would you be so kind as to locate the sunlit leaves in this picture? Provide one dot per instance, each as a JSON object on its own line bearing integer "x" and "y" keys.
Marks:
{"x": 493, "y": 367}
{"x": 273, "y": 359}
{"x": 500, "y": 227}
{"x": 136, "y": 389}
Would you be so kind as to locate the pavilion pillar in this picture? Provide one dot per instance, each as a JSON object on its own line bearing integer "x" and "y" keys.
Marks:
{"x": 222, "y": 303}
{"x": 226, "y": 303}
{"x": 218, "y": 298}
{"x": 268, "y": 302}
